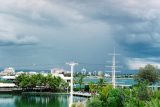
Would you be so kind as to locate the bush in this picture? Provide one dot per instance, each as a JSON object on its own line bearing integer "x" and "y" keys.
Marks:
{"x": 157, "y": 95}
{"x": 116, "y": 98}
{"x": 153, "y": 103}
{"x": 94, "y": 103}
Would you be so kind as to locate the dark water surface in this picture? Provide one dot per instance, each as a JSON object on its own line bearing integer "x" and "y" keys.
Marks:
{"x": 34, "y": 101}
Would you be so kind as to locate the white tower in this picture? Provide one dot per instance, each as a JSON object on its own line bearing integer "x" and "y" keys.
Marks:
{"x": 72, "y": 64}
{"x": 113, "y": 68}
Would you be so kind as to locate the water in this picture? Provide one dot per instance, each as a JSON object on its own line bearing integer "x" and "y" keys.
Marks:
{"x": 8, "y": 100}
{"x": 124, "y": 81}
{"x": 34, "y": 101}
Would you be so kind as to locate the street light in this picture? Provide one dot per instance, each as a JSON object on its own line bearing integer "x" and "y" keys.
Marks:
{"x": 71, "y": 64}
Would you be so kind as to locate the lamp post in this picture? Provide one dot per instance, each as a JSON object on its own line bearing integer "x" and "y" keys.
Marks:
{"x": 72, "y": 65}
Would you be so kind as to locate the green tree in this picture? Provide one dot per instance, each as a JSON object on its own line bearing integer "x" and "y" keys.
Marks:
{"x": 39, "y": 81}
{"x": 33, "y": 81}
{"x": 25, "y": 83}
{"x": 153, "y": 103}
{"x": 100, "y": 83}
{"x": 81, "y": 81}
{"x": 104, "y": 93}
{"x": 92, "y": 88}
{"x": 148, "y": 73}
{"x": 116, "y": 98}
{"x": 94, "y": 102}
{"x": 48, "y": 82}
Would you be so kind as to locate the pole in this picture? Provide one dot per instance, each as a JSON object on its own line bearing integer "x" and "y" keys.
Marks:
{"x": 113, "y": 68}
{"x": 71, "y": 64}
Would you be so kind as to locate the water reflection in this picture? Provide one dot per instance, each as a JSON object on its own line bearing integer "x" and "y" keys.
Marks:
{"x": 34, "y": 101}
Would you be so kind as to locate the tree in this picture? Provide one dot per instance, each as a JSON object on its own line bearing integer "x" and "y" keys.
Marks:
{"x": 148, "y": 73}
{"x": 33, "y": 81}
{"x": 116, "y": 98}
{"x": 92, "y": 87}
{"x": 81, "y": 81}
{"x": 39, "y": 81}
{"x": 24, "y": 81}
{"x": 153, "y": 103}
{"x": 100, "y": 83}
{"x": 94, "y": 102}
{"x": 104, "y": 93}
{"x": 48, "y": 82}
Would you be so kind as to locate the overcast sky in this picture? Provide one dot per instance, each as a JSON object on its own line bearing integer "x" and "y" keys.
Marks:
{"x": 48, "y": 33}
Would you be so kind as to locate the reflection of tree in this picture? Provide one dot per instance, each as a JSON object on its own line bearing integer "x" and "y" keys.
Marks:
{"x": 42, "y": 101}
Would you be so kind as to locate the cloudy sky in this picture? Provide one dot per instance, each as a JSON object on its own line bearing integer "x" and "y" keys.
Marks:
{"x": 48, "y": 33}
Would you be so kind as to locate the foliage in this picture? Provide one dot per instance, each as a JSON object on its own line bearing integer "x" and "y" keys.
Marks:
{"x": 139, "y": 95}
{"x": 92, "y": 88}
{"x": 100, "y": 84}
{"x": 80, "y": 80}
{"x": 148, "y": 73}
{"x": 156, "y": 94}
{"x": 39, "y": 80}
{"x": 103, "y": 94}
{"x": 153, "y": 103}
{"x": 116, "y": 98}
{"x": 95, "y": 102}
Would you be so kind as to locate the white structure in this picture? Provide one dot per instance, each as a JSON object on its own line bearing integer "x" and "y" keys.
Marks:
{"x": 7, "y": 85}
{"x": 106, "y": 75}
{"x": 113, "y": 68}
{"x": 100, "y": 74}
{"x": 67, "y": 79}
{"x": 8, "y": 71}
{"x": 19, "y": 73}
{"x": 8, "y": 77}
{"x": 84, "y": 71}
{"x": 95, "y": 73}
{"x": 72, "y": 64}
{"x": 61, "y": 73}
{"x": 31, "y": 73}
{"x": 90, "y": 73}
{"x": 57, "y": 71}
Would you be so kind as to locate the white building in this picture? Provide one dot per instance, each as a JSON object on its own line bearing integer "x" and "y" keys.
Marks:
{"x": 8, "y": 72}
{"x": 57, "y": 71}
{"x": 106, "y": 75}
{"x": 61, "y": 73}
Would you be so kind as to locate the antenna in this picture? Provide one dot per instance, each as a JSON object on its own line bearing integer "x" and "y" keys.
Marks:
{"x": 72, "y": 65}
{"x": 114, "y": 54}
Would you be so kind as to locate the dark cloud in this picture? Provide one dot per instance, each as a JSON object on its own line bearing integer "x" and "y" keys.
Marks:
{"x": 83, "y": 30}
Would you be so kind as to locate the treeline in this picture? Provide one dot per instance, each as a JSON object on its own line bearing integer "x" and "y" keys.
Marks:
{"x": 49, "y": 82}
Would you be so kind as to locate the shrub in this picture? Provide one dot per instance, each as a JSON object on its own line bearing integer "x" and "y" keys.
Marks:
{"x": 116, "y": 98}
{"x": 94, "y": 103}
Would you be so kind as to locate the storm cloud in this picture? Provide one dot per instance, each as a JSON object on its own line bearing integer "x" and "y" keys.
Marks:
{"x": 84, "y": 31}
